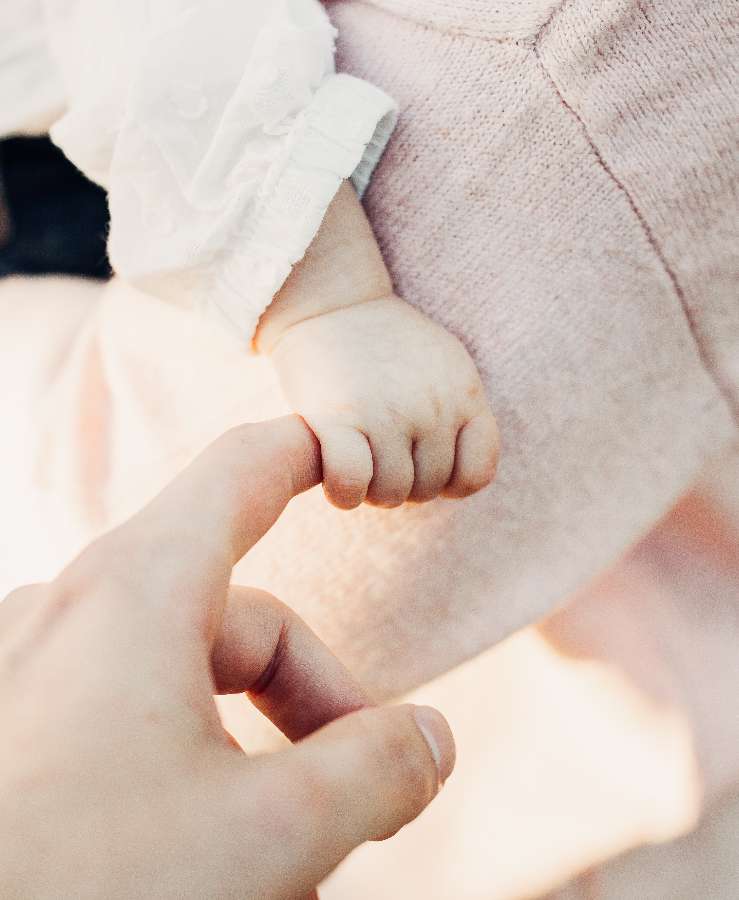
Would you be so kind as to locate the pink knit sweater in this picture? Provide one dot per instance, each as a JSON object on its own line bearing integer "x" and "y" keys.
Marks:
{"x": 562, "y": 193}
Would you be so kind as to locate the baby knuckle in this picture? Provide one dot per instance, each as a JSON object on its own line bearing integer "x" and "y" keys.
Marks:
{"x": 493, "y": 459}
{"x": 474, "y": 390}
{"x": 346, "y": 493}
{"x": 487, "y": 472}
{"x": 427, "y": 490}
{"x": 387, "y": 499}
{"x": 352, "y": 481}
{"x": 395, "y": 499}
{"x": 493, "y": 463}
{"x": 474, "y": 483}
{"x": 423, "y": 496}
{"x": 341, "y": 500}
{"x": 481, "y": 481}
{"x": 394, "y": 484}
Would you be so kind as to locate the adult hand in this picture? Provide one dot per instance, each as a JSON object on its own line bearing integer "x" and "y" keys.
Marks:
{"x": 116, "y": 777}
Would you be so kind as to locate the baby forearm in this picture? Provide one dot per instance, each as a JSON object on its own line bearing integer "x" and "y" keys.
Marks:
{"x": 342, "y": 267}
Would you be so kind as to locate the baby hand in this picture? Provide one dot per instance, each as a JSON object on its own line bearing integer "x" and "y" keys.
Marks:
{"x": 395, "y": 402}
{"x": 393, "y": 398}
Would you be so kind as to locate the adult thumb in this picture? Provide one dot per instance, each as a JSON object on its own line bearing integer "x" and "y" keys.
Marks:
{"x": 359, "y": 778}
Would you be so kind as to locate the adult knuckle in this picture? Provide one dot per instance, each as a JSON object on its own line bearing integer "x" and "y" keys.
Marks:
{"x": 291, "y": 802}
{"x": 27, "y": 593}
{"x": 101, "y": 568}
{"x": 404, "y": 756}
{"x": 315, "y": 789}
{"x": 21, "y": 600}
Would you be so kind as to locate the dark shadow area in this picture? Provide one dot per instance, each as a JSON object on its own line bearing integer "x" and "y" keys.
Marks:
{"x": 52, "y": 218}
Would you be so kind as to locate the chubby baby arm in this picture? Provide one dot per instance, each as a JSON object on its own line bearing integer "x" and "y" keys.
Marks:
{"x": 394, "y": 399}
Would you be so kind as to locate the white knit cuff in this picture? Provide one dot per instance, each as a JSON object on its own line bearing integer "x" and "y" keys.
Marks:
{"x": 341, "y": 134}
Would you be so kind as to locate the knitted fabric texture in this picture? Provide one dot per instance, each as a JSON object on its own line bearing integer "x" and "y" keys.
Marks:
{"x": 561, "y": 192}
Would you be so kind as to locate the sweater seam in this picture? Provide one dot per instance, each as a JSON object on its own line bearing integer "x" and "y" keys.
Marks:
{"x": 701, "y": 351}
{"x": 451, "y": 31}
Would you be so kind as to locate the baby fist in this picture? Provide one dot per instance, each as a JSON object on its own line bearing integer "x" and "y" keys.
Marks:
{"x": 395, "y": 402}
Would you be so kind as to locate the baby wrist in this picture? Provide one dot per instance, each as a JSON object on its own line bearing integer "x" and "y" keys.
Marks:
{"x": 342, "y": 267}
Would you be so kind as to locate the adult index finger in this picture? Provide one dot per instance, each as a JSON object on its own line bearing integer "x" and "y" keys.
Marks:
{"x": 179, "y": 550}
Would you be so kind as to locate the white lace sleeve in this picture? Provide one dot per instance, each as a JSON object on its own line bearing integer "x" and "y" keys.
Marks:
{"x": 221, "y": 132}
